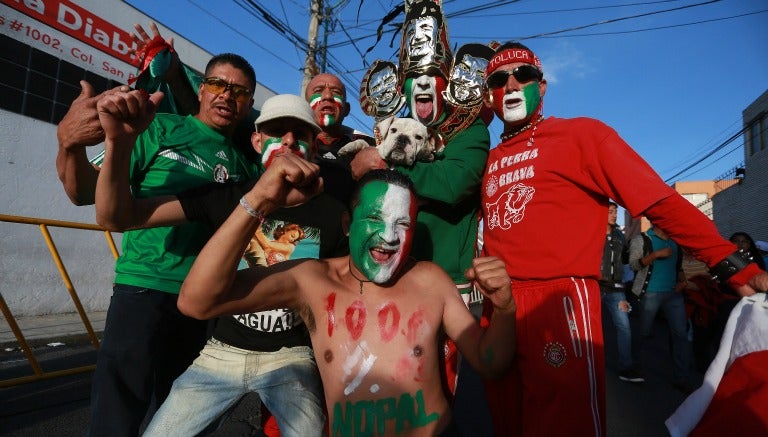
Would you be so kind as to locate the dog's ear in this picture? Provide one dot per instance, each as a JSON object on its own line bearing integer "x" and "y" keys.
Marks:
{"x": 381, "y": 129}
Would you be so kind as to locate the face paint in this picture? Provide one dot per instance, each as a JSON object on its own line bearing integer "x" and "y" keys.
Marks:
{"x": 424, "y": 97}
{"x": 274, "y": 146}
{"x": 324, "y": 118}
{"x": 517, "y": 105}
{"x": 381, "y": 232}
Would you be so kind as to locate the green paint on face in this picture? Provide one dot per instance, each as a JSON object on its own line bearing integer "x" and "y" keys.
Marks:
{"x": 532, "y": 95}
{"x": 381, "y": 232}
{"x": 274, "y": 146}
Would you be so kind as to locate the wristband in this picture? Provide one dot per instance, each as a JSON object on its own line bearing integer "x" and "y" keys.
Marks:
{"x": 731, "y": 265}
{"x": 249, "y": 209}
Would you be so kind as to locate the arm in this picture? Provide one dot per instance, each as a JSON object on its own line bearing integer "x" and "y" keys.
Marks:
{"x": 78, "y": 129}
{"x": 489, "y": 351}
{"x": 184, "y": 94}
{"x": 124, "y": 116}
{"x": 695, "y": 232}
{"x": 213, "y": 285}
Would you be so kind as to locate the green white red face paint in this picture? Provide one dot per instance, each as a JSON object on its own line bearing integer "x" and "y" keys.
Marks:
{"x": 329, "y": 115}
{"x": 274, "y": 146}
{"x": 381, "y": 232}
{"x": 424, "y": 97}
{"x": 516, "y": 106}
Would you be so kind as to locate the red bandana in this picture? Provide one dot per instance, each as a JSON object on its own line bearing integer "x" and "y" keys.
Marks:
{"x": 510, "y": 56}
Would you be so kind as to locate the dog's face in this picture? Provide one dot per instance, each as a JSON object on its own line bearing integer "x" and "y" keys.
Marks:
{"x": 405, "y": 141}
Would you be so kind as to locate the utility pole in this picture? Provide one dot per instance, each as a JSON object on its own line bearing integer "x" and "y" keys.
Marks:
{"x": 310, "y": 65}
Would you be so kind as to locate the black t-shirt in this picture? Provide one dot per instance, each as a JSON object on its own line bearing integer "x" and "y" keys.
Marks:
{"x": 311, "y": 230}
{"x": 335, "y": 169}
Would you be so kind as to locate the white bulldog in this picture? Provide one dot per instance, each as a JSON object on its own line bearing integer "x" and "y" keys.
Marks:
{"x": 403, "y": 142}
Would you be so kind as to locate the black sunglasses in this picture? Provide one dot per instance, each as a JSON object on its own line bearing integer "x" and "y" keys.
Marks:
{"x": 215, "y": 85}
{"x": 522, "y": 74}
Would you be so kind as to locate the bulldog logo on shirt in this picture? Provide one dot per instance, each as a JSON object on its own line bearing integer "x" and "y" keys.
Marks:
{"x": 513, "y": 201}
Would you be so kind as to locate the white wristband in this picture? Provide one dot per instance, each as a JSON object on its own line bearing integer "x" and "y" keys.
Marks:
{"x": 249, "y": 209}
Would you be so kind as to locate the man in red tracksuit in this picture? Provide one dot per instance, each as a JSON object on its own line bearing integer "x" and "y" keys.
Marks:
{"x": 559, "y": 174}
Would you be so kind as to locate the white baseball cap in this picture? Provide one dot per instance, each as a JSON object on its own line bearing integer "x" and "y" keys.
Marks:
{"x": 287, "y": 105}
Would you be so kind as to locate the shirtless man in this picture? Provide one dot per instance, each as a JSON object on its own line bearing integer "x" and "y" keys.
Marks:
{"x": 374, "y": 316}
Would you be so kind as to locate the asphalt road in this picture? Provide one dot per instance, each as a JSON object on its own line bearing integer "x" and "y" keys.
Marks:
{"x": 59, "y": 407}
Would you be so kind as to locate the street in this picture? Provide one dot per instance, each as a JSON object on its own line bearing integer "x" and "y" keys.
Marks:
{"x": 60, "y": 406}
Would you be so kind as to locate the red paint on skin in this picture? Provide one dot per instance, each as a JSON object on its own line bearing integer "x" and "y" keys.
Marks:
{"x": 414, "y": 324}
{"x": 388, "y": 332}
{"x": 403, "y": 369}
{"x": 498, "y": 100}
{"x": 329, "y": 308}
{"x": 355, "y": 319}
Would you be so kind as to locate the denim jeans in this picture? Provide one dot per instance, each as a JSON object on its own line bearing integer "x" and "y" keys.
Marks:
{"x": 147, "y": 343}
{"x": 673, "y": 305}
{"x": 287, "y": 382}
{"x": 620, "y": 319}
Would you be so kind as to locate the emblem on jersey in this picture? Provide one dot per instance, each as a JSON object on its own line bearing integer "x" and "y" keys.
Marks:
{"x": 222, "y": 155}
{"x": 220, "y": 173}
{"x": 554, "y": 354}
{"x": 492, "y": 186}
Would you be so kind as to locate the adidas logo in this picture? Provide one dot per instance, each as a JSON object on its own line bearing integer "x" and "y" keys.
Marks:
{"x": 222, "y": 155}
{"x": 329, "y": 155}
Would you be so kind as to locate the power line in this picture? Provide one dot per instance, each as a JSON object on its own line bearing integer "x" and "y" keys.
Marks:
{"x": 282, "y": 59}
{"x": 661, "y": 27}
{"x": 615, "y": 20}
{"x": 717, "y": 148}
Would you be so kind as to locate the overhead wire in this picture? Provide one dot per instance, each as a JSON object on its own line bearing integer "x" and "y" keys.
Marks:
{"x": 717, "y": 148}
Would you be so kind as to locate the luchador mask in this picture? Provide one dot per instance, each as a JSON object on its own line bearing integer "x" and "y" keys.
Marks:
{"x": 424, "y": 48}
{"x": 465, "y": 85}
{"x": 380, "y": 95}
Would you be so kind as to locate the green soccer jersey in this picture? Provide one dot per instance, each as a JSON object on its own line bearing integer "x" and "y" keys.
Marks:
{"x": 174, "y": 154}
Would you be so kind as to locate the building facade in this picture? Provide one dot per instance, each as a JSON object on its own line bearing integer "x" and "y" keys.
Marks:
{"x": 46, "y": 48}
{"x": 743, "y": 206}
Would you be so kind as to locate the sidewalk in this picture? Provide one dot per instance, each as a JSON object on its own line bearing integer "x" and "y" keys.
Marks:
{"x": 51, "y": 327}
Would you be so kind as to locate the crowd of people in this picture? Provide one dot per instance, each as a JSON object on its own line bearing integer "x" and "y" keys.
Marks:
{"x": 332, "y": 287}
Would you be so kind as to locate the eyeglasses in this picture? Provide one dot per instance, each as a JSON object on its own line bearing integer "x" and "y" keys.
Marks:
{"x": 522, "y": 74}
{"x": 215, "y": 85}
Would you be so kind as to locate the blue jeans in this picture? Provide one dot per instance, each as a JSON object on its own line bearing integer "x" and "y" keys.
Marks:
{"x": 287, "y": 382}
{"x": 147, "y": 343}
{"x": 673, "y": 305}
{"x": 620, "y": 319}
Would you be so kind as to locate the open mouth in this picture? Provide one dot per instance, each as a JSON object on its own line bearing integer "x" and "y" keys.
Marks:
{"x": 512, "y": 102}
{"x": 424, "y": 106}
{"x": 381, "y": 255}
{"x": 224, "y": 111}
{"x": 327, "y": 109}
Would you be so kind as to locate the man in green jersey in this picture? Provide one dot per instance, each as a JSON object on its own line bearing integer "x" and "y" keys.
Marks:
{"x": 147, "y": 343}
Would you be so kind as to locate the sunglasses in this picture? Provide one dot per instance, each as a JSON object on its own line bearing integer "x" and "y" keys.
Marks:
{"x": 522, "y": 74}
{"x": 217, "y": 86}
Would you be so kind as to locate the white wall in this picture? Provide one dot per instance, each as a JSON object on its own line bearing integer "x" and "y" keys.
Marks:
{"x": 29, "y": 186}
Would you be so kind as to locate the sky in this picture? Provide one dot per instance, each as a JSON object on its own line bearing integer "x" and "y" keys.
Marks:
{"x": 672, "y": 77}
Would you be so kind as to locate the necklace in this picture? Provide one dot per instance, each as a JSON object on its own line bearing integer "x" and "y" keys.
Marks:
{"x": 351, "y": 272}
{"x": 530, "y": 124}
